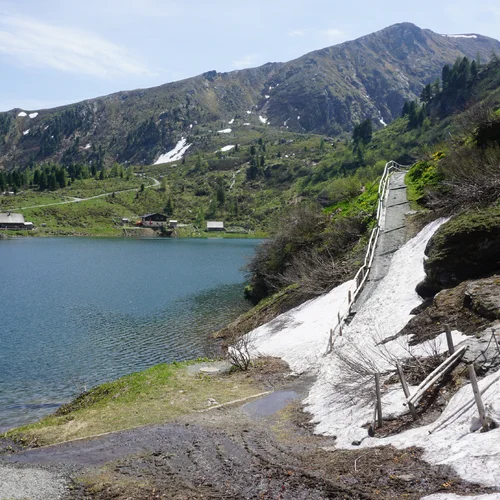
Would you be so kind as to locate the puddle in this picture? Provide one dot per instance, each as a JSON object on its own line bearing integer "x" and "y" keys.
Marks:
{"x": 270, "y": 404}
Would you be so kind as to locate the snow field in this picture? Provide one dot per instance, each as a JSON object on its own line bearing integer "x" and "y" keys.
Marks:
{"x": 300, "y": 337}
{"x": 33, "y": 115}
{"x": 22, "y": 114}
{"x": 175, "y": 154}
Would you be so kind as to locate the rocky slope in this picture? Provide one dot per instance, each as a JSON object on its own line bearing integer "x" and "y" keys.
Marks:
{"x": 326, "y": 91}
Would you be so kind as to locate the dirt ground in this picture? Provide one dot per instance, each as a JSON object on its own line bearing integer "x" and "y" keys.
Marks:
{"x": 259, "y": 449}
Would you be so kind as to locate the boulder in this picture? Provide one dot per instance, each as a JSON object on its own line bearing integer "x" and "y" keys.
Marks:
{"x": 483, "y": 297}
{"x": 466, "y": 247}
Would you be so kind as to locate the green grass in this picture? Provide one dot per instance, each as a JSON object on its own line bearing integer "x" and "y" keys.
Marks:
{"x": 159, "y": 394}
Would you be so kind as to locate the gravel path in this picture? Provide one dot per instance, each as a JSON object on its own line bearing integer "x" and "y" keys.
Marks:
{"x": 32, "y": 483}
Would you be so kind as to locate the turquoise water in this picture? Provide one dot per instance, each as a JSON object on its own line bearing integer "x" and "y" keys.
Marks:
{"x": 75, "y": 312}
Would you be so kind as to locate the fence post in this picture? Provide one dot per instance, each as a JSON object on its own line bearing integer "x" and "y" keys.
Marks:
{"x": 349, "y": 297}
{"x": 411, "y": 406}
{"x": 338, "y": 317}
{"x": 477, "y": 397}
{"x": 379, "y": 400}
{"x": 449, "y": 339}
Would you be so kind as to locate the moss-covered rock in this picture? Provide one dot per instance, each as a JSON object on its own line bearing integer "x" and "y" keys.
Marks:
{"x": 466, "y": 247}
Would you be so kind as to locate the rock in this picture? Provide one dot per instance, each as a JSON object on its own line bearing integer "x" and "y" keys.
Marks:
{"x": 466, "y": 247}
{"x": 448, "y": 306}
{"x": 209, "y": 370}
{"x": 483, "y": 297}
{"x": 482, "y": 349}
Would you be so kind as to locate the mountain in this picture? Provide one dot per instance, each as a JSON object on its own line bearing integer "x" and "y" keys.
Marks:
{"x": 326, "y": 92}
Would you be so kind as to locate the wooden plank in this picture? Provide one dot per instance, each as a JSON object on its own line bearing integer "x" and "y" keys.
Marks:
{"x": 433, "y": 377}
{"x": 477, "y": 397}
{"x": 406, "y": 391}
{"x": 379, "y": 399}
{"x": 449, "y": 339}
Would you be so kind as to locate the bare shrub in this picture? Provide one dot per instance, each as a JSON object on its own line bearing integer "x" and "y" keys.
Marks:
{"x": 471, "y": 178}
{"x": 239, "y": 352}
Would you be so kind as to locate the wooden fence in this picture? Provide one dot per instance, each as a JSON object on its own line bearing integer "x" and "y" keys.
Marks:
{"x": 362, "y": 275}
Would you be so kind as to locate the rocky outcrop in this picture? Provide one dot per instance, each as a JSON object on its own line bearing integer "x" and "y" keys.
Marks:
{"x": 470, "y": 307}
{"x": 483, "y": 297}
{"x": 466, "y": 247}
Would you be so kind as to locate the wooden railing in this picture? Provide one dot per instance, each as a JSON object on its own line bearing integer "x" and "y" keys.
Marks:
{"x": 362, "y": 275}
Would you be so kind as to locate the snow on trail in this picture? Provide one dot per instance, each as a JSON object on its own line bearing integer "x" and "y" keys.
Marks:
{"x": 475, "y": 456}
{"x": 300, "y": 336}
{"x": 175, "y": 154}
{"x": 383, "y": 315}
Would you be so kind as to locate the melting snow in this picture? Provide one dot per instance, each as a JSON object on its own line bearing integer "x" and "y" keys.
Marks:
{"x": 87, "y": 146}
{"x": 381, "y": 120}
{"x": 175, "y": 154}
{"x": 300, "y": 336}
{"x": 461, "y": 36}
{"x": 26, "y": 132}
{"x": 249, "y": 112}
{"x": 33, "y": 115}
{"x": 267, "y": 96}
{"x": 225, "y": 131}
{"x": 383, "y": 315}
{"x": 262, "y": 119}
{"x": 227, "y": 148}
{"x": 22, "y": 113}
{"x": 298, "y": 117}
{"x": 246, "y": 124}
{"x": 190, "y": 125}
{"x": 230, "y": 122}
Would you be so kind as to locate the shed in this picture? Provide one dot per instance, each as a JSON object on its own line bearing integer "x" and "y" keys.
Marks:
{"x": 215, "y": 225}
{"x": 172, "y": 223}
{"x": 125, "y": 221}
{"x": 10, "y": 220}
{"x": 154, "y": 220}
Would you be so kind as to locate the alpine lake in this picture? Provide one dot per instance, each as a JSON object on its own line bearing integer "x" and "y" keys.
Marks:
{"x": 76, "y": 312}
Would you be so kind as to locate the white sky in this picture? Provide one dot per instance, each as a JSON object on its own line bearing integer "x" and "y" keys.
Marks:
{"x": 60, "y": 51}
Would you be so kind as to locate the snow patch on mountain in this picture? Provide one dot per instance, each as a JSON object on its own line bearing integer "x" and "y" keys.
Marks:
{"x": 227, "y": 148}
{"x": 175, "y": 154}
{"x": 22, "y": 114}
{"x": 225, "y": 131}
{"x": 460, "y": 36}
{"x": 33, "y": 115}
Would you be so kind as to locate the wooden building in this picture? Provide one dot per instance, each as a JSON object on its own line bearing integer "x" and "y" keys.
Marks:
{"x": 215, "y": 225}
{"x": 154, "y": 220}
{"x": 10, "y": 220}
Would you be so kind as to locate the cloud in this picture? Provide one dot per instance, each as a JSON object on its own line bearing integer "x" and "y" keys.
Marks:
{"x": 65, "y": 49}
{"x": 332, "y": 34}
{"x": 296, "y": 33}
{"x": 245, "y": 62}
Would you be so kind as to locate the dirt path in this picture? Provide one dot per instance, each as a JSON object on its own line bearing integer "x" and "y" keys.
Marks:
{"x": 156, "y": 183}
{"x": 260, "y": 449}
